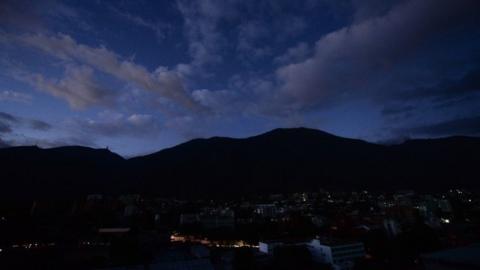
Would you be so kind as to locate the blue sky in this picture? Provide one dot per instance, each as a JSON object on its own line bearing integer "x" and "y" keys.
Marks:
{"x": 139, "y": 76}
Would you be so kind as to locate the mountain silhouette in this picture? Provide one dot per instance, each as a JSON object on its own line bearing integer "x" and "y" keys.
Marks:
{"x": 296, "y": 159}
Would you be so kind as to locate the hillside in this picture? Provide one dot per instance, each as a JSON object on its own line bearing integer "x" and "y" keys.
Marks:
{"x": 280, "y": 160}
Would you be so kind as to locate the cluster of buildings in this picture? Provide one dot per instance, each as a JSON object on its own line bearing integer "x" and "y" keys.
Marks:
{"x": 339, "y": 255}
{"x": 337, "y": 230}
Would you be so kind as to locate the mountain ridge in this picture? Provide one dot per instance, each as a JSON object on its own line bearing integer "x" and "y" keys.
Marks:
{"x": 280, "y": 160}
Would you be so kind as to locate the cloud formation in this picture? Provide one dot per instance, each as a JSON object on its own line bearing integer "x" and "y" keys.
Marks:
{"x": 293, "y": 55}
{"x": 9, "y": 123}
{"x": 162, "y": 81}
{"x": 353, "y": 58}
{"x": 201, "y": 19}
{"x": 78, "y": 87}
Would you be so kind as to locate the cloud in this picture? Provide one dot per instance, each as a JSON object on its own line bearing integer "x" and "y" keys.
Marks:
{"x": 78, "y": 87}
{"x": 8, "y": 117}
{"x": 9, "y": 122}
{"x": 158, "y": 28}
{"x": 219, "y": 101}
{"x": 39, "y": 125}
{"x": 291, "y": 26}
{"x": 21, "y": 139}
{"x": 3, "y": 144}
{"x": 32, "y": 16}
{"x": 459, "y": 126}
{"x": 6, "y": 122}
{"x": 5, "y": 127}
{"x": 201, "y": 20}
{"x": 9, "y": 95}
{"x": 467, "y": 84}
{"x": 250, "y": 35}
{"x": 164, "y": 82}
{"x": 19, "y": 15}
{"x": 395, "y": 110}
{"x": 113, "y": 124}
{"x": 210, "y": 25}
{"x": 294, "y": 54}
{"x": 359, "y": 56}
{"x": 367, "y": 9}
{"x": 140, "y": 119}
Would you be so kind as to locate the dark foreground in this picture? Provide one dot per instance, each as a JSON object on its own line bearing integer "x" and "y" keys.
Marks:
{"x": 317, "y": 230}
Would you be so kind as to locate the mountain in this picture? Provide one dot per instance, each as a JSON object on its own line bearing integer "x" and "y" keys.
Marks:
{"x": 296, "y": 159}
{"x": 306, "y": 159}
{"x": 29, "y": 171}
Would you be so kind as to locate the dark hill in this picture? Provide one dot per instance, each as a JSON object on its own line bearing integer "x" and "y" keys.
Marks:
{"x": 279, "y": 160}
{"x": 306, "y": 159}
{"x": 31, "y": 171}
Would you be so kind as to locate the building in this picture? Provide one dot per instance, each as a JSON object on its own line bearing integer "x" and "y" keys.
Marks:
{"x": 268, "y": 247}
{"x": 218, "y": 218}
{"x": 392, "y": 227}
{"x": 266, "y": 210}
{"x": 340, "y": 255}
{"x": 188, "y": 219}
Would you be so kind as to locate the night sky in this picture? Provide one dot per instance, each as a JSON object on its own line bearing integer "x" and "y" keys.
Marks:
{"x": 139, "y": 76}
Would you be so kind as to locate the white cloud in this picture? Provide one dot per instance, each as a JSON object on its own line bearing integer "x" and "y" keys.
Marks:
{"x": 140, "y": 119}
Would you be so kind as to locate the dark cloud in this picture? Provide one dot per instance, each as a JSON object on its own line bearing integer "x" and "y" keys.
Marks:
{"x": 450, "y": 89}
{"x": 19, "y": 15}
{"x": 354, "y": 60}
{"x": 21, "y": 139}
{"x": 6, "y": 121}
{"x": 9, "y": 122}
{"x": 25, "y": 15}
{"x": 367, "y": 9}
{"x": 394, "y": 110}
{"x": 5, "y": 127}
{"x": 3, "y": 144}
{"x": 39, "y": 125}
{"x": 460, "y": 126}
{"x": 8, "y": 117}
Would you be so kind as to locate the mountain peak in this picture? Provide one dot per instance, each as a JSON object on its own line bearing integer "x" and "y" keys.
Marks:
{"x": 297, "y": 131}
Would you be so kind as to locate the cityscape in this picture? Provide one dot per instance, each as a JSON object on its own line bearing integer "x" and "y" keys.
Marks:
{"x": 314, "y": 230}
{"x": 239, "y": 135}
